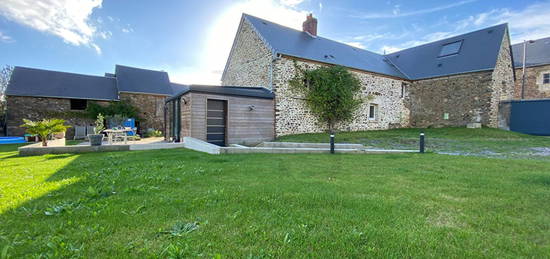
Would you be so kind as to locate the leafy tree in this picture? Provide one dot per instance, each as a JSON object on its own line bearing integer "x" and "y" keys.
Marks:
{"x": 5, "y": 75}
{"x": 99, "y": 126}
{"x": 330, "y": 93}
{"x": 45, "y": 128}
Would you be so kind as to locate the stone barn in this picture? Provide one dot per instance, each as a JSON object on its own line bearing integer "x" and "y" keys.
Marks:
{"x": 450, "y": 82}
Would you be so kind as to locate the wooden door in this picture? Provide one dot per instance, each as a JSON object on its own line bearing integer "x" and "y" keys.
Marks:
{"x": 216, "y": 122}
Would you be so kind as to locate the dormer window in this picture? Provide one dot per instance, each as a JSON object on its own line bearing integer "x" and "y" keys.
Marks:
{"x": 450, "y": 49}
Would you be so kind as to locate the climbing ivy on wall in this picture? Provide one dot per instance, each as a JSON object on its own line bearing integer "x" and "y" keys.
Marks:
{"x": 122, "y": 108}
{"x": 330, "y": 93}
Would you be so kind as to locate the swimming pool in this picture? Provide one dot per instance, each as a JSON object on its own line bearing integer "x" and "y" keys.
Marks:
{"x": 12, "y": 140}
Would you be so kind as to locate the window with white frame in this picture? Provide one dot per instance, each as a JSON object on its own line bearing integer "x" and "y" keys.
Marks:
{"x": 546, "y": 78}
{"x": 373, "y": 111}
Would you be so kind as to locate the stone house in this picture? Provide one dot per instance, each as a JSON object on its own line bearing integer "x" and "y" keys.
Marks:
{"x": 36, "y": 94}
{"x": 537, "y": 69}
{"x": 450, "y": 82}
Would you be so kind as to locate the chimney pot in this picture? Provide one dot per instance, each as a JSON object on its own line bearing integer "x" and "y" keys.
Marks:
{"x": 310, "y": 25}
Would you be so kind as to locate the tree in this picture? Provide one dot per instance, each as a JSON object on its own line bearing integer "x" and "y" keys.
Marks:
{"x": 330, "y": 93}
{"x": 5, "y": 75}
{"x": 45, "y": 128}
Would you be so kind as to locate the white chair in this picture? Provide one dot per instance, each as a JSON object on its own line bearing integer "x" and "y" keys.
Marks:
{"x": 79, "y": 132}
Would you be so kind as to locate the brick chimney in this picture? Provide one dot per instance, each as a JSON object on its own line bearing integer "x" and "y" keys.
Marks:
{"x": 310, "y": 25}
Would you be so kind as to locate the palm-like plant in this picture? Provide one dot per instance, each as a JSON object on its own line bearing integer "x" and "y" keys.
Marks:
{"x": 45, "y": 128}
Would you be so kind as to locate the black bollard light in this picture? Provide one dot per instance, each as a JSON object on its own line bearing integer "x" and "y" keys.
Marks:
{"x": 421, "y": 142}
{"x": 332, "y": 143}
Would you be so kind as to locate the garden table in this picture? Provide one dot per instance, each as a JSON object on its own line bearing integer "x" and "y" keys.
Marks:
{"x": 113, "y": 134}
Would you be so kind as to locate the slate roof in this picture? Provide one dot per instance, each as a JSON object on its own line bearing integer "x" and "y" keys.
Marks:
{"x": 46, "y": 83}
{"x": 479, "y": 52}
{"x": 255, "y": 92}
{"x": 296, "y": 43}
{"x": 537, "y": 53}
{"x": 138, "y": 80}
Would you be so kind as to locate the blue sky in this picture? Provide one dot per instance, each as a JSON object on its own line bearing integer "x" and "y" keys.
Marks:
{"x": 191, "y": 39}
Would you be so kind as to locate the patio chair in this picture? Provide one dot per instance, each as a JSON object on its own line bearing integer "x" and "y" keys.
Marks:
{"x": 90, "y": 130}
{"x": 131, "y": 133}
{"x": 79, "y": 132}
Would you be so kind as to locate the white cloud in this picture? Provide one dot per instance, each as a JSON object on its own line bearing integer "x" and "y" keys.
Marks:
{"x": 320, "y": 7}
{"x": 389, "y": 49}
{"x": 356, "y": 44}
{"x": 220, "y": 35}
{"x": 67, "y": 19}
{"x": 532, "y": 22}
{"x": 396, "y": 11}
{"x": 291, "y": 2}
{"x": 5, "y": 38}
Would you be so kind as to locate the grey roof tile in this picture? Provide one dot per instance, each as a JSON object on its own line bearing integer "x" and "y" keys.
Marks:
{"x": 138, "y": 80}
{"x": 479, "y": 51}
{"x": 537, "y": 53}
{"x": 46, "y": 83}
{"x": 299, "y": 44}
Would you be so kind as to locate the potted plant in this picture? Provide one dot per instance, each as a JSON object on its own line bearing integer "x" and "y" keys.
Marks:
{"x": 45, "y": 128}
{"x": 97, "y": 138}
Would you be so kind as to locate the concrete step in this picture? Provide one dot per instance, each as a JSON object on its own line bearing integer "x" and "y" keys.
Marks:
{"x": 282, "y": 150}
{"x": 310, "y": 145}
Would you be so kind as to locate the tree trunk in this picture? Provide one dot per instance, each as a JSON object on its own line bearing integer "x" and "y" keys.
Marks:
{"x": 44, "y": 141}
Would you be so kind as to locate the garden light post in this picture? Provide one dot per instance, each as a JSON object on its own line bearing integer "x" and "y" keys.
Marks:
{"x": 421, "y": 150}
{"x": 332, "y": 142}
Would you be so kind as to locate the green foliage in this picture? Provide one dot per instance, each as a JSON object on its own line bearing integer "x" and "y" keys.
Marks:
{"x": 115, "y": 120}
{"x": 99, "y": 126}
{"x": 153, "y": 133}
{"x": 45, "y": 128}
{"x": 329, "y": 91}
{"x": 122, "y": 108}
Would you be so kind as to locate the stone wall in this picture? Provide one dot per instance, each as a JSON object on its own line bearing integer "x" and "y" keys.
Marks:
{"x": 461, "y": 99}
{"x": 502, "y": 83}
{"x": 249, "y": 62}
{"x": 451, "y": 101}
{"x": 534, "y": 87}
{"x": 39, "y": 108}
{"x": 151, "y": 109}
{"x": 293, "y": 117}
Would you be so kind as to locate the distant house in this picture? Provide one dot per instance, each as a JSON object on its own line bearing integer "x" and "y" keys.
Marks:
{"x": 220, "y": 115}
{"x": 537, "y": 69}
{"x": 449, "y": 82}
{"x": 36, "y": 94}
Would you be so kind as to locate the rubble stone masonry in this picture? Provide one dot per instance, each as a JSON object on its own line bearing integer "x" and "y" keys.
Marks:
{"x": 250, "y": 60}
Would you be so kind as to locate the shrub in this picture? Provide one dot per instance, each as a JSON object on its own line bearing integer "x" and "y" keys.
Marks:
{"x": 330, "y": 93}
{"x": 45, "y": 128}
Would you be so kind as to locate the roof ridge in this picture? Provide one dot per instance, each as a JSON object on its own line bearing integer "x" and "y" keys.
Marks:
{"x": 62, "y": 72}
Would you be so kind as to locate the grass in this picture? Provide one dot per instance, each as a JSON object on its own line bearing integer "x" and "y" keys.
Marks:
{"x": 179, "y": 203}
{"x": 485, "y": 142}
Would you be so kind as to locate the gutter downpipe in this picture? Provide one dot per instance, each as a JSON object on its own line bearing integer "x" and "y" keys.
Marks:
{"x": 523, "y": 72}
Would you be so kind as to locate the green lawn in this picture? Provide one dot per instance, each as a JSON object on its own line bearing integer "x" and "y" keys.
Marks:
{"x": 484, "y": 142}
{"x": 179, "y": 203}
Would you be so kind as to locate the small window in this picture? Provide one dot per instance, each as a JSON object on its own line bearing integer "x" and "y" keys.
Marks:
{"x": 79, "y": 104}
{"x": 546, "y": 78}
{"x": 450, "y": 49}
{"x": 373, "y": 110}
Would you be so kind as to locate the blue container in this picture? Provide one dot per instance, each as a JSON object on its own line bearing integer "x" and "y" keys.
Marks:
{"x": 12, "y": 140}
{"x": 131, "y": 123}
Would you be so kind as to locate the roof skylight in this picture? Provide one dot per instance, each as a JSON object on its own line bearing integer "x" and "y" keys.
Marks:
{"x": 450, "y": 49}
